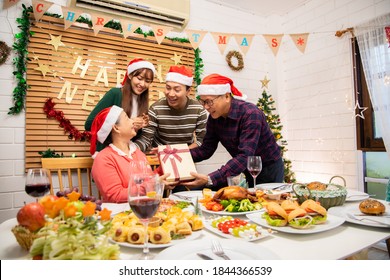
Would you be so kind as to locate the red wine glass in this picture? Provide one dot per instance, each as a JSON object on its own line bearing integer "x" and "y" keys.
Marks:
{"x": 254, "y": 167}
{"x": 145, "y": 193}
{"x": 37, "y": 182}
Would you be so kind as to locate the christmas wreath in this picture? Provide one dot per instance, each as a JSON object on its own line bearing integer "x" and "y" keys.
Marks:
{"x": 4, "y": 52}
{"x": 68, "y": 127}
{"x": 238, "y": 57}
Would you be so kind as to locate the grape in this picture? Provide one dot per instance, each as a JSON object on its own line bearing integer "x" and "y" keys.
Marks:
{"x": 98, "y": 208}
{"x": 93, "y": 199}
{"x": 99, "y": 202}
{"x": 76, "y": 189}
{"x": 60, "y": 194}
{"x": 66, "y": 192}
{"x": 83, "y": 197}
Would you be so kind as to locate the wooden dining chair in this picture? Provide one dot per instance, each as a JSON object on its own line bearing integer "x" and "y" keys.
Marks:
{"x": 69, "y": 167}
{"x": 153, "y": 161}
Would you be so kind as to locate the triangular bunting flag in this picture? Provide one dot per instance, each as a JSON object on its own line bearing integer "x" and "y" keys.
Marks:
{"x": 244, "y": 41}
{"x": 195, "y": 37}
{"x": 70, "y": 16}
{"x": 300, "y": 40}
{"x": 98, "y": 22}
{"x": 40, "y": 7}
{"x": 9, "y": 3}
{"x": 129, "y": 26}
{"x": 273, "y": 41}
{"x": 160, "y": 31}
{"x": 221, "y": 39}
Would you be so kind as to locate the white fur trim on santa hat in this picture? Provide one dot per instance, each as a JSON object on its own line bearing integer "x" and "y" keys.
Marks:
{"x": 179, "y": 78}
{"x": 140, "y": 64}
{"x": 243, "y": 97}
{"x": 111, "y": 119}
{"x": 213, "y": 89}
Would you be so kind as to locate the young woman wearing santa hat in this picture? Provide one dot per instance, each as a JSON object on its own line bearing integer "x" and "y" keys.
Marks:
{"x": 112, "y": 166}
{"x": 241, "y": 128}
{"x": 133, "y": 96}
{"x": 175, "y": 118}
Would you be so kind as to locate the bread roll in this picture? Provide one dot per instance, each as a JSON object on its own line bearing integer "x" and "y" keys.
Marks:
{"x": 372, "y": 207}
{"x": 299, "y": 219}
{"x": 119, "y": 232}
{"x": 136, "y": 235}
{"x": 275, "y": 216}
{"x": 288, "y": 205}
{"x": 318, "y": 186}
{"x": 160, "y": 235}
{"x": 275, "y": 207}
{"x": 183, "y": 228}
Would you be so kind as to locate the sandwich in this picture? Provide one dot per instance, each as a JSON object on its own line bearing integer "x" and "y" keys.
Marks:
{"x": 275, "y": 216}
{"x": 299, "y": 218}
{"x": 315, "y": 210}
{"x": 289, "y": 205}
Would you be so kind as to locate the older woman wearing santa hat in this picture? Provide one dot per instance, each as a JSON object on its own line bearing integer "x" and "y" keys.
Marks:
{"x": 241, "y": 128}
{"x": 112, "y": 166}
{"x": 175, "y": 118}
{"x": 132, "y": 95}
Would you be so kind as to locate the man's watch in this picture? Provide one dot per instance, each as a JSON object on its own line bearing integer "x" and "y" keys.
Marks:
{"x": 209, "y": 181}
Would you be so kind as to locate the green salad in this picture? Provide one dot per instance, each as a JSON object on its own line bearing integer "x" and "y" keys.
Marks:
{"x": 245, "y": 205}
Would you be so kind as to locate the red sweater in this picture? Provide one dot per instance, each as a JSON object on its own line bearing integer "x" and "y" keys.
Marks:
{"x": 111, "y": 172}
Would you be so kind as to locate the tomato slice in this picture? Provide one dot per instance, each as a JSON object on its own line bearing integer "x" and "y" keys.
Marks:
{"x": 217, "y": 207}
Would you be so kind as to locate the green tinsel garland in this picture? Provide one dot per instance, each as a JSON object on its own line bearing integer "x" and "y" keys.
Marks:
{"x": 21, "y": 42}
{"x": 20, "y": 46}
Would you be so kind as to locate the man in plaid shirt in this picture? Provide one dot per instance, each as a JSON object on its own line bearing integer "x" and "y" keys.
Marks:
{"x": 241, "y": 128}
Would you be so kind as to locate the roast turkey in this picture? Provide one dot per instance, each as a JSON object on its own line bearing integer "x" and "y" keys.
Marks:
{"x": 234, "y": 192}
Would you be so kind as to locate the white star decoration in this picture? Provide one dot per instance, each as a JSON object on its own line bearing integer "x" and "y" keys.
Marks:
{"x": 361, "y": 110}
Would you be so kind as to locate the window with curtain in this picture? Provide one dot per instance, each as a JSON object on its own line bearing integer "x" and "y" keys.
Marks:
{"x": 371, "y": 55}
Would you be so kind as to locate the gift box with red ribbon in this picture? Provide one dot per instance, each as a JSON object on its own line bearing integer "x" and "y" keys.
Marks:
{"x": 176, "y": 159}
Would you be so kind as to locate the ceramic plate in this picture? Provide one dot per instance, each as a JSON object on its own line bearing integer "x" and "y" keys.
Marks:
{"x": 354, "y": 195}
{"x": 187, "y": 195}
{"x": 262, "y": 233}
{"x": 354, "y": 210}
{"x": 193, "y": 236}
{"x": 331, "y": 223}
{"x": 226, "y": 213}
{"x": 271, "y": 186}
{"x": 199, "y": 194}
{"x": 116, "y": 208}
{"x": 235, "y": 249}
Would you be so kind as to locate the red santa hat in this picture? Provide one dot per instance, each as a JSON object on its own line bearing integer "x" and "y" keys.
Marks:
{"x": 180, "y": 74}
{"x": 102, "y": 126}
{"x": 135, "y": 64}
{"x": 216, "y": 84}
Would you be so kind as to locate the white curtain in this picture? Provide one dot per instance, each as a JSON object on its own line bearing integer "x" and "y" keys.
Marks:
{"x": 375, "y": 54}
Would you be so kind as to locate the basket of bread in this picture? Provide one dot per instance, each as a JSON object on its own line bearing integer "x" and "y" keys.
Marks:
{"x": 329, "y": 195}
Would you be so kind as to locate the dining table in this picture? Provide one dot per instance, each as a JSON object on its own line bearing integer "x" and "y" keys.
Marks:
{"x": 339, "y": 242}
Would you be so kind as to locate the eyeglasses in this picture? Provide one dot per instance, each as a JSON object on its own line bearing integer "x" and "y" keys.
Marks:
{"x": 208, "y": 102}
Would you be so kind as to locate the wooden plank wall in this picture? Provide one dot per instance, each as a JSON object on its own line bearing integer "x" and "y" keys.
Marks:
{"x": 108, "y": 49}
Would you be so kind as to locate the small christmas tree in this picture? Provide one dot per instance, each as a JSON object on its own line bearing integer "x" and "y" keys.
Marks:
{"x": 266, "y": 104}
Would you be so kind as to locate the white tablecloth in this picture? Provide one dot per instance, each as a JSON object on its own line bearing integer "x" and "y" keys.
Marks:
{"x": 337, "y": 243}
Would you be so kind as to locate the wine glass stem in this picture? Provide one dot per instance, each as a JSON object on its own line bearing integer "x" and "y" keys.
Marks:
{"x": 254, "y": 180}
{"x": 146, "y": 241}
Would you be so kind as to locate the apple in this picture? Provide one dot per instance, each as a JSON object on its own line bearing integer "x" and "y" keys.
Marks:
{"x": 31, "y": 216}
